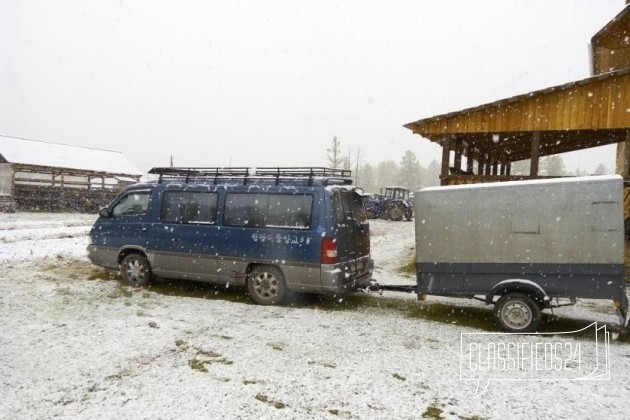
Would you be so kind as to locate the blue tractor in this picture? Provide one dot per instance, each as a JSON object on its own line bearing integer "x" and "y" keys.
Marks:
{"x": 395, "y": 204}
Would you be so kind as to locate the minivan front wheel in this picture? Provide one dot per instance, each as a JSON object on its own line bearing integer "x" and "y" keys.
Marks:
{"x": 135, "y": 270}
{"x": 266, "y": 285}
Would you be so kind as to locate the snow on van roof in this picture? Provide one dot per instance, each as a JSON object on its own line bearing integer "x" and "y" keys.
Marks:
{"x": 507, "y": 184}
{"x": 41, "y": 153}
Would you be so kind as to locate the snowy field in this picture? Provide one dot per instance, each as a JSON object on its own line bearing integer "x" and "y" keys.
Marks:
{"x": 76, "y": 343}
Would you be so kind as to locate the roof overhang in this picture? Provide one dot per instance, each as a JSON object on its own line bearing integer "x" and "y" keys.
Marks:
{"x": 578, "y": 115}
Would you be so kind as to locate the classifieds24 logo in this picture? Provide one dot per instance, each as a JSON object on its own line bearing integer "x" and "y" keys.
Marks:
{"x": 558, "y": 356}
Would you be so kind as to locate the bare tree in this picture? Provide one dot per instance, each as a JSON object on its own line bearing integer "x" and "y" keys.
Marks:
{"x": 601, "y": 169}
{"x": 333, "y": 153}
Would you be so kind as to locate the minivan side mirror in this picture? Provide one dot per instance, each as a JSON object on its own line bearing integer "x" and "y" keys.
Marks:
{"x": 104, "y": 212}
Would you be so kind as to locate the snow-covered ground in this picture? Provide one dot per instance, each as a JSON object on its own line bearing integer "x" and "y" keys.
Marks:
{"x": 76, "y": 343}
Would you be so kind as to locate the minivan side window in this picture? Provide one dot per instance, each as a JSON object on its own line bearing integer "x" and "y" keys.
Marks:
{"x": 189, "y": 207}
{"x": 133, "y": 204}
{"x": 268, "y": 210}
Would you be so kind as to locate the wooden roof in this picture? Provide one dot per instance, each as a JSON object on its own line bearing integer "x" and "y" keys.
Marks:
{"x": 615, "y": 34}
{"x": 586, "y": 113}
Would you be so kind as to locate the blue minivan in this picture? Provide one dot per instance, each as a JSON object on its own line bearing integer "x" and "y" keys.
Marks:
{"x": 272, "y": 230}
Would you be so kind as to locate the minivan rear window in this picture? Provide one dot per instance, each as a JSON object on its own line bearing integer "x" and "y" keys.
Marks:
{"x": 348, "y": 204}
{"x": 268, "y": 210}
{"x": 189, "y": 207}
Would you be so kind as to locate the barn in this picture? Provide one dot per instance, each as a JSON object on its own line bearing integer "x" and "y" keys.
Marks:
{"x": 43, "y": 176}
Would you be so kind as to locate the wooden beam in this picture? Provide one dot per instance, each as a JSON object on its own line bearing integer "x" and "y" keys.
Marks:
{"x": 533, "y": 169}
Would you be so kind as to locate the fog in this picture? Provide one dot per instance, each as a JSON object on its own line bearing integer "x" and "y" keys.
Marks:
{"x": 261, "y": 83}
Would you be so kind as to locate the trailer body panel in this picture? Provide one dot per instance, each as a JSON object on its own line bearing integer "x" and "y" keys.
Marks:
{"x": 565, "y": 235}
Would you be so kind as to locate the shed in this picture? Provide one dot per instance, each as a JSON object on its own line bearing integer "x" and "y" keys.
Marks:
{"x": 43, "y": 176}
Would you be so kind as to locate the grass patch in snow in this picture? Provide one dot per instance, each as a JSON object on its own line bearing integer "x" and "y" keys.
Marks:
{"x": 102, "y": 274}
{"x": 324, "y": 364}
{"x": 204, "y": 358}
{"x": 263, "y": 398}
{"x": 120, "y": 291}
{"x": 201, "y": 290}
{"x": 277, "y": 346}
{"x": 410, "y": 267}
{"x": 480, "y": 318}
{"x": 433, "y": 412}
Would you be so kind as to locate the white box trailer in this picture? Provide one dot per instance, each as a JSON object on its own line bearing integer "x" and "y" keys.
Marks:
{"x": 519, "y": 245}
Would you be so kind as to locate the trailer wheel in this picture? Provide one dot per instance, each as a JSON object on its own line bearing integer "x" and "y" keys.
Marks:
{"x": 517, "y": 312}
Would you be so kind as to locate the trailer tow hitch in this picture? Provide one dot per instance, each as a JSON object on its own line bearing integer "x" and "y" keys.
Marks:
{"x": 374, "y": 286}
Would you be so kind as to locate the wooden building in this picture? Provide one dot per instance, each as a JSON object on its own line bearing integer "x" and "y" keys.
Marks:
{"x": 42, "y": 176}
{"x": 480, "y": 144}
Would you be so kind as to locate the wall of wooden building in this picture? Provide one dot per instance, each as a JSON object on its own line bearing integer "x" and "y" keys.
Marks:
{"x": 48, "y": 199}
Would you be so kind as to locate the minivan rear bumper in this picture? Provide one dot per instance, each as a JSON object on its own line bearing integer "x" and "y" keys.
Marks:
{"x": 347, "y": 276}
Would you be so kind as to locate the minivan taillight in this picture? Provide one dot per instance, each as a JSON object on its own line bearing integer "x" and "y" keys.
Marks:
{"x": 329, "y": 251}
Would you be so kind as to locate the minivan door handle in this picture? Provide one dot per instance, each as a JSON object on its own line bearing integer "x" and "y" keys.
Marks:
{"x": 142, "y": 229}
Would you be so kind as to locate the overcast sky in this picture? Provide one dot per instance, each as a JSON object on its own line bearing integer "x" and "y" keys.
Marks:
{"x": 266, "y": 83}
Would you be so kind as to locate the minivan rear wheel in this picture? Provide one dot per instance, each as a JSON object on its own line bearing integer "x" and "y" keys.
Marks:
{"x": 266, "y": 285}
{"x": 135, "y": 270}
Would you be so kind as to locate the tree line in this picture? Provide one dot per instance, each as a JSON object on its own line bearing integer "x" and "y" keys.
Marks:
{"x": 409, "y": 172}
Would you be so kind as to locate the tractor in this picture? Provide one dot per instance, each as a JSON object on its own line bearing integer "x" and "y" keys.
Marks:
{"x": 395, "y": 204}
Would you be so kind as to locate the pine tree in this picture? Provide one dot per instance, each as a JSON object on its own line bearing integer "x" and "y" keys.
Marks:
{"x": 410, "y": 172}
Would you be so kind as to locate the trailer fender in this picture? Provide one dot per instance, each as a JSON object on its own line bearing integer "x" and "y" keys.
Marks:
{"x": 519, "y": 285}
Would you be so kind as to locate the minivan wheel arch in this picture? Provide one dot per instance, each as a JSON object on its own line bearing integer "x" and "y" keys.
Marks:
{"x": 124, "y": 252}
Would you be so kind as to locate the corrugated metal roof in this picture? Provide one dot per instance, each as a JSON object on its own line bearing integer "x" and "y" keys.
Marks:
{"x": 41, "y": 153}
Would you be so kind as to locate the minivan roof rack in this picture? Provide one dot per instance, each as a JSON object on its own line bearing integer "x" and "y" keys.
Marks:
{"x": 277, "y": 174}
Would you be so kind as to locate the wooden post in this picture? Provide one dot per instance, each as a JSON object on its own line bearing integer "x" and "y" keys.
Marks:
{"x": 446, "y": 156}
{"x": 458, "y": 154}
{"x": 533, "y": 169}
{"x": 495, "y": 168}
{"x": 623, "y": 157}
{"x": 508, "y": 168}
{"x": 469, "y": 159}
{"x": 481, "y": 162}
{"x": 502, "y": 168}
